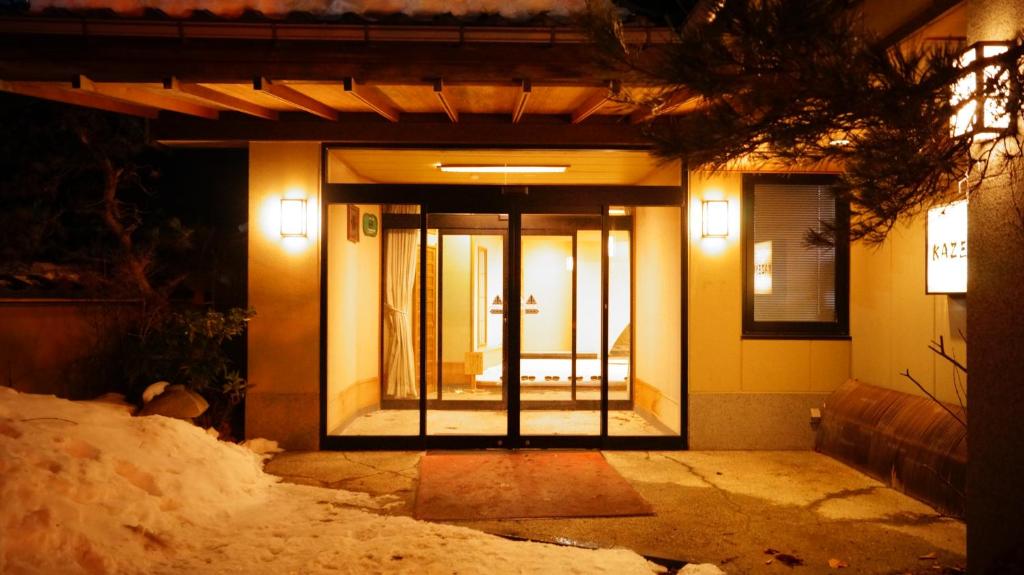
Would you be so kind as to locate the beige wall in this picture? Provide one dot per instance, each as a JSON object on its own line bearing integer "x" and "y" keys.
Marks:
{"x": 545, "y": 278}
{"x": 745, "y": 393}
{"x": 893, "y": 321}
{"x": 720, "y": 360}
{"x": 456, "y": 299}
{"x": 353, "y": 320}
{"x": 284, "y": 288}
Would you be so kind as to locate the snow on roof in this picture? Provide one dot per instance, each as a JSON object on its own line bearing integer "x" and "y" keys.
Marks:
{"x": 510, "y": 9}
{"x": 87, "y": 488}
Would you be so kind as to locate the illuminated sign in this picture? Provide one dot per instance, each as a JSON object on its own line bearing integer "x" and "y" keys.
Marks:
{"x": 947, "y": 249}
{"x": 763, "y": 268}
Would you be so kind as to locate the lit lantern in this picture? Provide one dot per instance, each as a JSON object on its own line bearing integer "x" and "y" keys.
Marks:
{"x": 715, "y": 219}
{"x": 763, "y": 268}
{"x": 293, "y": 218}
{"x": 981, "y": 98}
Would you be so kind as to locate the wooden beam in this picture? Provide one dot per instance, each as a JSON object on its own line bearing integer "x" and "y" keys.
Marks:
{"x": 220, "y": 98}
{"x": 65, "y": 95}
{"x": 293, "y": 97}
{"x": 595, "y": 102}
{"x": 520, "y": 108}
{"x": 374, "y": 99}
{"x": 366, "y": 129}
{"x": 144, "y": 97}
{"x": 442, "y": 93}
{"x": 124, "y": 59}
{"x": 677, "y": 99}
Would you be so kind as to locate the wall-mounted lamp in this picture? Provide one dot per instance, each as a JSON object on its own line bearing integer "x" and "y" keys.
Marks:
{"x": 293, "y": 218}
{"x": 497, "y": 306}
{"x": 982, "y": 96}
{"x": 715, "y": 219}
{"x": 531, "y": 306}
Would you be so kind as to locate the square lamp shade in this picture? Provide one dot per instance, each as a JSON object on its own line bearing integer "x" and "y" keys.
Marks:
{"x": 293, "y": 218}
{"x": 983, "y": 96}
{"x": 715, "y": 220}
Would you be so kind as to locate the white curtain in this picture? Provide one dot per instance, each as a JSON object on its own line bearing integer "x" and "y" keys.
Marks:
{"x": 399, "y": 358}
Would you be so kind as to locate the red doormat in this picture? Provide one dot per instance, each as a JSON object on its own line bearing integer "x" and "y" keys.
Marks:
{"x": 523, "y": 484}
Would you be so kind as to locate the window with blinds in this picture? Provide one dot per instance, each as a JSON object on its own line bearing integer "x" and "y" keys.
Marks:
{"x": 792, "y": 288}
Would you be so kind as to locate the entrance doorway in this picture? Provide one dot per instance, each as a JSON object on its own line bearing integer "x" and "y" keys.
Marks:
{"x": 490, "y": 316}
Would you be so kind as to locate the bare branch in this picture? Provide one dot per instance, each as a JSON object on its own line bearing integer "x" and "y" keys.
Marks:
{"x": 941, "y": 404}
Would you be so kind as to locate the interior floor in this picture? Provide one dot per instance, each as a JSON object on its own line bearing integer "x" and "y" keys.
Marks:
{"x": 491, "y": 422}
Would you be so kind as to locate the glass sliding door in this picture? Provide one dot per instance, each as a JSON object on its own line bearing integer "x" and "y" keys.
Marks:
{"x": 645, "y": 353}
{"x": 559, "y": 363}
{"x": 467, "y": 390}
{"x": 523, "y": 324}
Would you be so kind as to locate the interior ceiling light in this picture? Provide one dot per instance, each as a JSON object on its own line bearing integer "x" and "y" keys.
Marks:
{"x": 502, "y": 169}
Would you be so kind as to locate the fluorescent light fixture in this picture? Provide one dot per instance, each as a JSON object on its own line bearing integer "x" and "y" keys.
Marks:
{"x": 716, "y": 219}
{"x": 502, "y": 169}
{"x": 293, "y": 218}
{"x": 616, "y": 211}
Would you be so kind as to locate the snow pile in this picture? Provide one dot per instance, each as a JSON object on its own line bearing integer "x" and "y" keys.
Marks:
{"x": 87, "y": 488}
{"x": 519, "y": 9}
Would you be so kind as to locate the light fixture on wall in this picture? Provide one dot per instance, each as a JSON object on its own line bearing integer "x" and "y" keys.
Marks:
{"x": 497, "y": 307}
{"x": 502, "y": 168}
{"x": 293, "y": 218}
{"x": 531, "y": 306}
{"x": 983, "y": 96}
{"x": 715, "y": 223}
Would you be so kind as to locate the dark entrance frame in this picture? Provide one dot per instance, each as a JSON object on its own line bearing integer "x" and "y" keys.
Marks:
{"x": 514, "y": 201}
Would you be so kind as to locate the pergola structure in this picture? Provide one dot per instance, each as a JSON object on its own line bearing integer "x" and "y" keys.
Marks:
{"x": 279, "y": 80}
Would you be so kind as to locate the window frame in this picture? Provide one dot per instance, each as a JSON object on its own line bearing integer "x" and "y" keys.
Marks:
{"x": 838, "y": 329}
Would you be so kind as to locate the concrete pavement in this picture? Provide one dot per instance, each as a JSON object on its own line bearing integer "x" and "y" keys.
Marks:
{"x": 724, "y": 507}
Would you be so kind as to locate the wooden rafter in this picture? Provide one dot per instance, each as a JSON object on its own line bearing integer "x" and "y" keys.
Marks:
{"x": 679, "y": 98}
{"x": 65, "y": 95}
{"x": 220, "y": 98}
{"x": 595, "y": 102}
{"x": 444, "y": 96}
{"x": 143, "y": 97}
{"x": 293, "y": 97}
{"x": 373, "y": 98}
{"x": 520, "y": 107}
